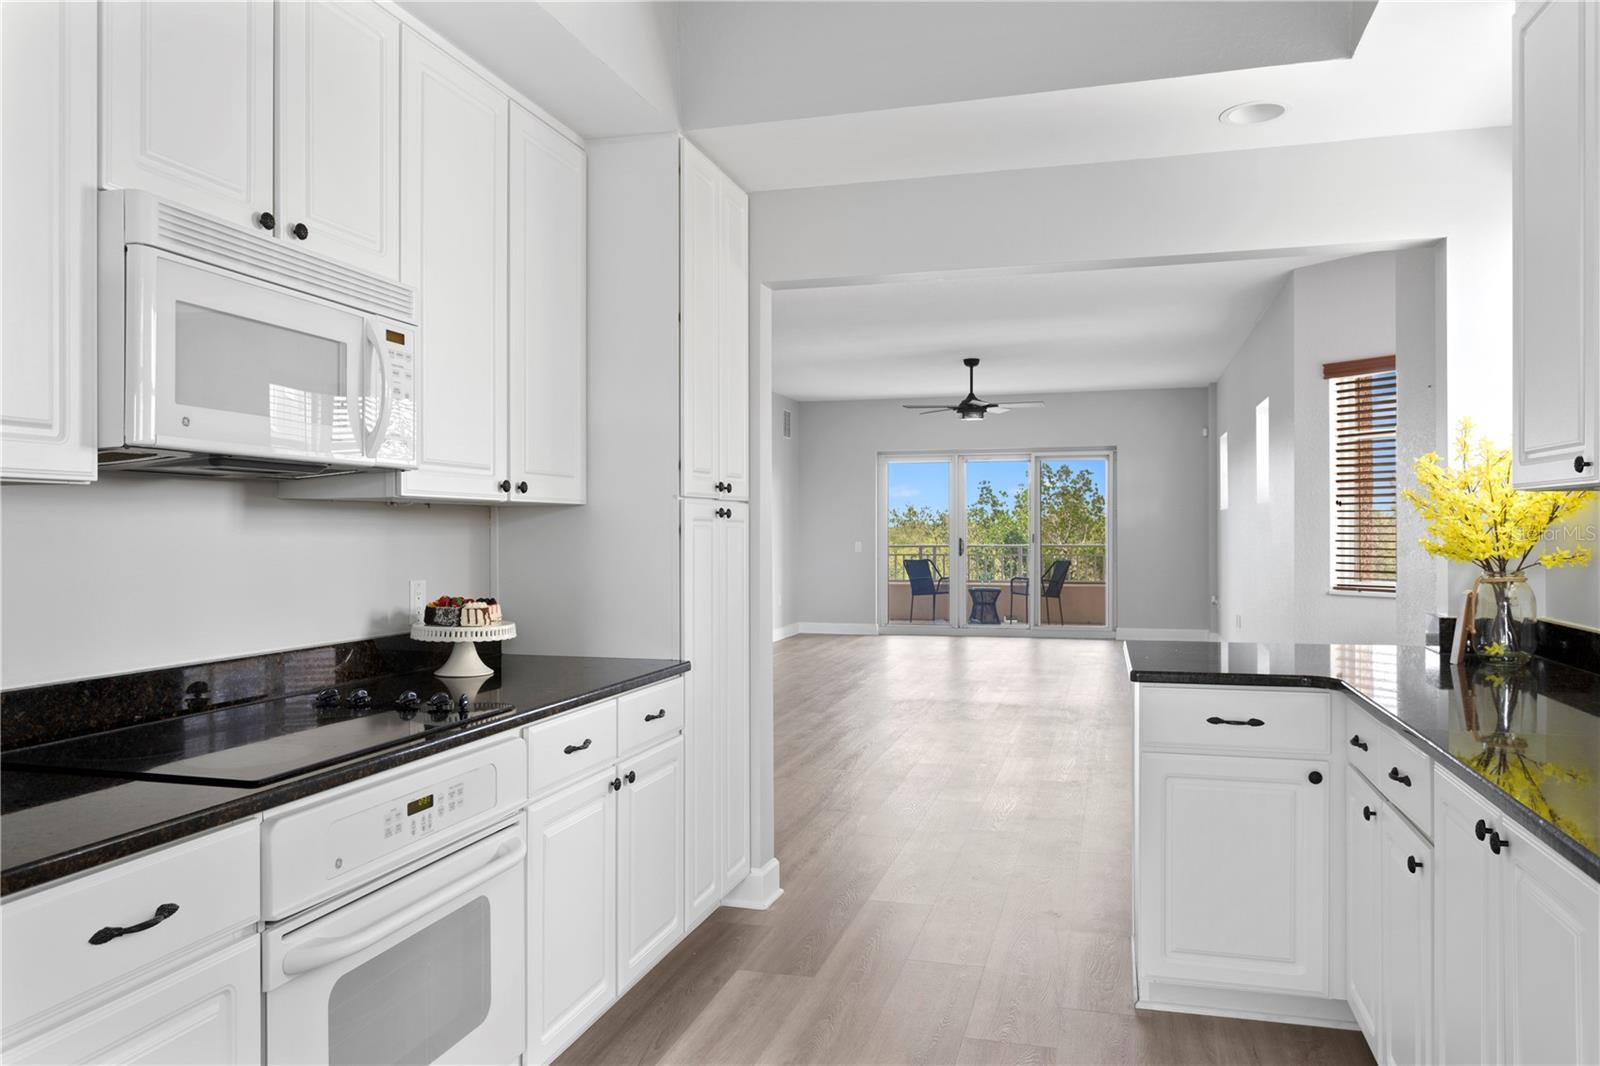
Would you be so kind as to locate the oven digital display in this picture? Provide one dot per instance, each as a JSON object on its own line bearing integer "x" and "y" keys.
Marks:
{"x": 417, "y": 806}
{"x": 394, "y": 336}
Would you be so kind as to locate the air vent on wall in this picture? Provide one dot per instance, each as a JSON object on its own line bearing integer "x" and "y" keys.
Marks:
{"x": 787, "y": 429}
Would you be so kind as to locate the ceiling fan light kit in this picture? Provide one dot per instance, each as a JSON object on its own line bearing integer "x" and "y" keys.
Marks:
{"x": 971, "y": 409}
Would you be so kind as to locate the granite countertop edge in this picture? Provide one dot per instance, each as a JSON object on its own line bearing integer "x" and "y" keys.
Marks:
{"x": 1549, "y": 835}
{"x": 37, "y": 872}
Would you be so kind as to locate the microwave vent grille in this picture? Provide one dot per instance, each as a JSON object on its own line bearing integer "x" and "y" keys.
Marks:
{"x": 230, "y": 247}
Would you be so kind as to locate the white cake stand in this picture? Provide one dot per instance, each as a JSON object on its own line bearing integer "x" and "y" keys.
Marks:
{"x": 463, "y": 661}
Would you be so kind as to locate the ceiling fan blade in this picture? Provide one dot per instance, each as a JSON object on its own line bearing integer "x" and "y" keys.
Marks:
{"x": 1014, "y": 404}
{"x": 936, "y": 411}
{"x": 927, "y": 407}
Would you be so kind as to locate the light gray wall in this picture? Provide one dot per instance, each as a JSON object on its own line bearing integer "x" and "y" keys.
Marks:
{"x": 143, "y": 571}
{"x": 603, "y": 578}
{"x": 1161, "y": 547}
{"x": 785, "y": 511}
{"x": 1255, "y": 537}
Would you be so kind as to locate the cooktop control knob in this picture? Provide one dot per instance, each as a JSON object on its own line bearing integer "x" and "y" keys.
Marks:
{"x": 407, "y": 698}
{"x": 359, "y": 698}
{"x": 464, "y": 704}
{"x": 328, "y": 697}
{"x": 439, "y": 701}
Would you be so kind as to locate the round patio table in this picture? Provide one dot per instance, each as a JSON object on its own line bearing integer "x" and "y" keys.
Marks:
{"x": 984, "y": 611}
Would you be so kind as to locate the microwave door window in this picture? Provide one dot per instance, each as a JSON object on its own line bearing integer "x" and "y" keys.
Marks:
{"x": 288, "y": 383}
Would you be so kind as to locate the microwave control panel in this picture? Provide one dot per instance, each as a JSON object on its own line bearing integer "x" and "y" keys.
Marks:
{"x": 405, "y": 818}
{"x": 398, "y": 448}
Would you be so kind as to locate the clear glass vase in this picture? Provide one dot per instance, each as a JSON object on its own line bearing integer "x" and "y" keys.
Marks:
{"x": 1503, "y": 618}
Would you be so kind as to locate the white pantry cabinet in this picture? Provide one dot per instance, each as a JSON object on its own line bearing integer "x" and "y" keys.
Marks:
{"x": 716, "y": 727}
{"x": 548, "y": 364}
{"x": 47, "y": 242}
{"x": 1405, "y": 885}
{"x": 649, "y": 860}
{"x": 714, "y": 219}
{"x": 339, "y": 131}
{"x": 1556, "y": 244}
{"x": 572, "y": 919}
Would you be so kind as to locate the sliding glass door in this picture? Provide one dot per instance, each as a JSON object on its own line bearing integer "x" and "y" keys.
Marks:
{"x": 1027, "y": 546}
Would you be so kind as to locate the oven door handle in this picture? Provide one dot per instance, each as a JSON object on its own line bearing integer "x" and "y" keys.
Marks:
{"x": 380, "y": 429}
{"x": 318, "y": 953}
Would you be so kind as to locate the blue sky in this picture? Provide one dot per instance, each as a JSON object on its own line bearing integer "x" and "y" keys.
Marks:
{"x": 928, "y": 484}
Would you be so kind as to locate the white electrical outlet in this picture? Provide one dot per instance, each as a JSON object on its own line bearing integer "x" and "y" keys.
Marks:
{"x": 858, "y": 545}
{"x": 419, "y": 600}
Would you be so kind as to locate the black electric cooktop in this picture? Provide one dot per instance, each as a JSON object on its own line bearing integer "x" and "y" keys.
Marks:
{"x": 256, "y": 744}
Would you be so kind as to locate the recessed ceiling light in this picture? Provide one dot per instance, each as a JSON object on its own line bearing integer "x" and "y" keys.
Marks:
{"x": 1250, "y": 114}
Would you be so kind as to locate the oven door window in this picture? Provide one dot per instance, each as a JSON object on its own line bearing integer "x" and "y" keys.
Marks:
{"x": 419, "y": 998}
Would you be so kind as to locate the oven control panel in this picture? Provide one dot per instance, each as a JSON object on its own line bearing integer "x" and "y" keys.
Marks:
{"x": 404, "y": 818}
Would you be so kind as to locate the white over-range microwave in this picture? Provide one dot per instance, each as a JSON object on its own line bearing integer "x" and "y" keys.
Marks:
{"x": 227, "y": 354}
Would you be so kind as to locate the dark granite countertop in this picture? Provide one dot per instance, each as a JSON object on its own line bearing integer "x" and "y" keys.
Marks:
{"x": 53, "y": 825}
{"x": 1526, "y": 739}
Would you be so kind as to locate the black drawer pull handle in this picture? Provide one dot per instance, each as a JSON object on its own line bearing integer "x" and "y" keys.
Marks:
{"x": 1214, "y": 720}
{"x": 662, "y": 713}
{"x": 630, "y": 777}
{"x": 1357, "y": 742}
{"x": 1412, "y": 864}
{"x": 1396, "y": 775}
{"x": 1498, "y": 843}
{"x": 111, "y": 932}
{"x": 1368, "y": 813}
{"x": 571, "y": 748}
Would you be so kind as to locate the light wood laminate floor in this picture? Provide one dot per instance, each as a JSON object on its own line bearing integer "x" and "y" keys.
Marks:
{"x": 953, "y": 828}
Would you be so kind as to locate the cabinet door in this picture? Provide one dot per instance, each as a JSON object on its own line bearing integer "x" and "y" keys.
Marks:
{"x": 339, "y": 131}
{"x": 1466, "y": 939}
{"x": 453, "y": 197}
{"x": 1363, "y": 912}
{"x": 1551, "y": 951}
{"x": 572, "y": 912}
{"x": 1556, "y": 238}
{"x": 1405, "y": 880}
{"x": 1233, "y": 870}
{"x": 47, "y": 226}
{"x": 548, "y": 284}
{"x": 733, "y": 339}
{"x": 186, "y": 103}
{"x": 650, "y": 860}
{"x": 205, "y": 1014}
{"x": 731, "y": 664}
{"x": 701, "y": 386}
{"x": 701, "y": 708}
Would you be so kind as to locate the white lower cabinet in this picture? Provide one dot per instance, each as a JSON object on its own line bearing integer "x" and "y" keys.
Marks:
{"x": 649, "y": 860}
{"x": 1405, "y": 885}
{"x": 1363, "y": 959}
{"x": 1466, "y": 945}
{"x": 572, "y": 919}
{"x": 206, "y": 1014}
{"x": 1233, "y": 872}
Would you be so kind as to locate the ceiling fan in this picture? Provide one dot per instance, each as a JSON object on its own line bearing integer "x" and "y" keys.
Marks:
{"x": 971, "y": 409}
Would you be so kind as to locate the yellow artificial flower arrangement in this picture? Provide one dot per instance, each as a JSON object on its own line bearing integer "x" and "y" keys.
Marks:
{"x": 1473, "y": 515}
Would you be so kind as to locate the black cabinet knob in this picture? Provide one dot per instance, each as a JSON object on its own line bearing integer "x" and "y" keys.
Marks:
{"x": 1357, "y": 742}
{"x": 1580, "y": 464}
{"x": 1497, "y": 843}
{"x": 1367, "y": 813}
{"x": 300, "y": 232}
{"x": 522, "y": 486}
{"x": 1315, "y": 777}
{"x": 616, "y": 784}
{"x": 505, "y": 486}
{"x": 1481, "y": 830}
{"x": 266, "y": 220}
{"x": 630, "y": 777}
{"x": 1396, "y": 775}
{"x": 1412, "y": 864}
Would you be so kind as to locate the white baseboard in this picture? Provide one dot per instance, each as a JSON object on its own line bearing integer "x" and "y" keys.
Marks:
{"x": 758, "y": 891}
{"x": 785, "y": 632}
{"x": 1129, "y": 633}
{"x": 847, "y": 629}
{"x": 1240, "y": 1003}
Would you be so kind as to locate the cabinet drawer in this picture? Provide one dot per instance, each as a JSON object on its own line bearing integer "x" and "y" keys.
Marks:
{"x": 649, "y": 714}
{"x": 574, "y": 743}
{"x": 1231, "y": 719}
{"x": 215, "y": 882}
{"x": 1362, "y": 743}
{"x": 1405, "y": 777}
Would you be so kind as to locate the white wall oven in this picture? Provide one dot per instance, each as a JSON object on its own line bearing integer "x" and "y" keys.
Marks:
{"x": 225, "y": 354}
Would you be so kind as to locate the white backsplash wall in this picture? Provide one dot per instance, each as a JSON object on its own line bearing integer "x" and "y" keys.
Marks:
{"x": 141, "y": 571}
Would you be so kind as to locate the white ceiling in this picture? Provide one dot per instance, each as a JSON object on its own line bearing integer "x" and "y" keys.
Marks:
{"x": 1134, "y": 327}
{"x": 1420, "y": 67}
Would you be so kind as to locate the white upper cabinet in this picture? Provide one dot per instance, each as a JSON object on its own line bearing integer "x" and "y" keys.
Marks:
{"x": 453, "y": 194}
{"x": 1556, "y": 235}
{"x": 715, "y": 342}
{"x": 186, "y": 107}
{"x": 547, "y": 422}
{"x": 339, "y": 131}
{"x": 47, "y": 242}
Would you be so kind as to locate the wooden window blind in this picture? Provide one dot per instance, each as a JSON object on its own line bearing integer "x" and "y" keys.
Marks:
{"x": 1365, "y": 413}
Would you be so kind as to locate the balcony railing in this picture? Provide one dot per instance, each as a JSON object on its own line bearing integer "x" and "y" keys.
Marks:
{"x": 999, "y": 563}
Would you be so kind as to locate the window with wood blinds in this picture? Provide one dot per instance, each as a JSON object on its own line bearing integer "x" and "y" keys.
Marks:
{"x": 1365, "y": 409}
